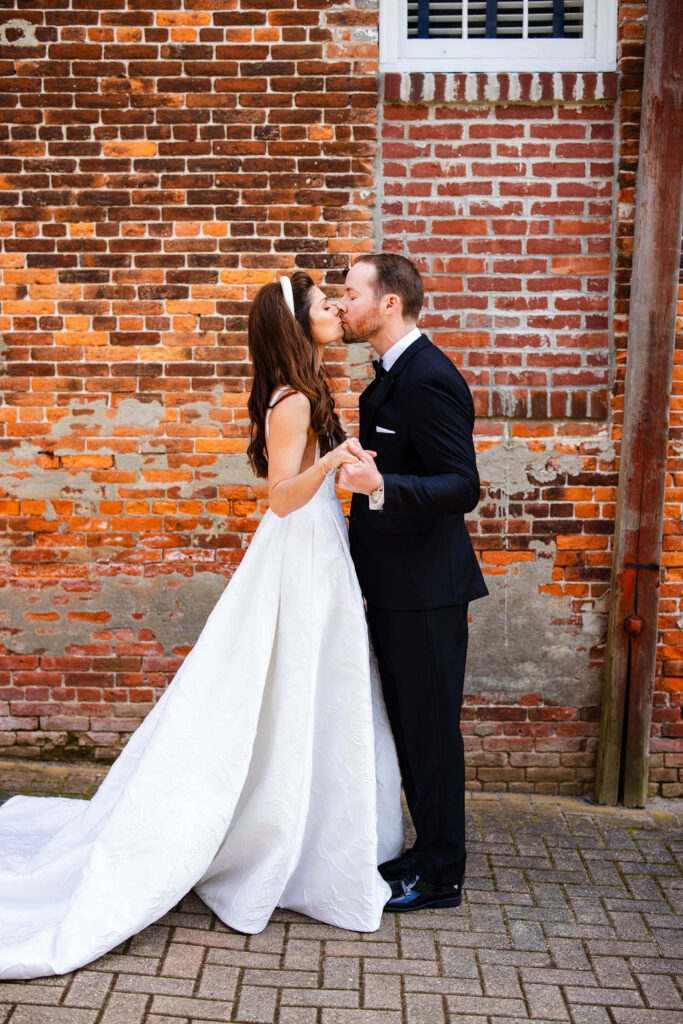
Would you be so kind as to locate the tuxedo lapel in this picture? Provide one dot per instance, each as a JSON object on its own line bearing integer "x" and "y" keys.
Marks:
{"x": 379, "y": 390}
{"x": 369, "y": 403}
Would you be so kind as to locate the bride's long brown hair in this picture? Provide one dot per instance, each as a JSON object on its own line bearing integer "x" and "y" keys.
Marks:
{"x": 283, "y": 354}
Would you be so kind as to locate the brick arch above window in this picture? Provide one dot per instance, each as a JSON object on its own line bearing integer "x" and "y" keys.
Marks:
{"x": 498, "y": 35}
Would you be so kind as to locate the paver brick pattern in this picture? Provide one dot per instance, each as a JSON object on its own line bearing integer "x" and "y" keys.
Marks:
{"x": 571, "y": 913}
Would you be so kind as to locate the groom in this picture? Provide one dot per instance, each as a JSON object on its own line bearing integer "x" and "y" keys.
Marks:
{"x": 415, "y": 562}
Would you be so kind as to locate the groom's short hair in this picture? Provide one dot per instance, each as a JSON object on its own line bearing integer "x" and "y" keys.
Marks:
{"x": 398, "y": 275}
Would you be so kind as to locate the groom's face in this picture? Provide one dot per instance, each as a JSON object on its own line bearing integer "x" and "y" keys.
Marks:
{"x": 359, "y": 308}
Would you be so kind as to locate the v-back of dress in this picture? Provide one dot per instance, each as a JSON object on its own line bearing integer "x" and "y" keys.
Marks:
{"x": 264, "y": 776}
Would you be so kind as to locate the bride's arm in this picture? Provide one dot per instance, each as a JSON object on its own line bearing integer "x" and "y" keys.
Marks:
{"x": 288, "y": 426}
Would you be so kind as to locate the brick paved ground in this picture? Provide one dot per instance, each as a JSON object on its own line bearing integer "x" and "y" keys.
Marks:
{"x": 570, "y": 915}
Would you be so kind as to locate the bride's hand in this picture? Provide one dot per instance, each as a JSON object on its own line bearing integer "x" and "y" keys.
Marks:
{"x": 349, "y": 453}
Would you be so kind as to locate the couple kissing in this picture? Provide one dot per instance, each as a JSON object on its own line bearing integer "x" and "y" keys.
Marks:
{"x": 330, "y": 670}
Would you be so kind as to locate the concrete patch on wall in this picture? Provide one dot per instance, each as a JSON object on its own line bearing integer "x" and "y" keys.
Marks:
{"x": 18, "y": 32}
{"x": 171, "y": 606}
{"x": 523, "y": 640}
{"x": 24, "y": 478}
{"x": 528, "y": 636}
{"x": 358, "y": 356}
{"x": 515, "y": 467}
{"x": 27, "y": 475}
{"x": 97, "y": 418}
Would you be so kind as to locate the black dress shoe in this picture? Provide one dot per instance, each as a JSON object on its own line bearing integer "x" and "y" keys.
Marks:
{"x": 418, "y": 895}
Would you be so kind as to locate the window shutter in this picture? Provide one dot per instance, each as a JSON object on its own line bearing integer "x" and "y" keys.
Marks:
{"x": 495, "y": 19}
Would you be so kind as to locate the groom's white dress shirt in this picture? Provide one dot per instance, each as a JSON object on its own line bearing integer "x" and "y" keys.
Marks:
{"x": 387, "y": 361}
{"x": 399, "y": 347}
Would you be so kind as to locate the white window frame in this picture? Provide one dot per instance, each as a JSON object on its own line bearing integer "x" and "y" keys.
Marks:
{"x": 597, "y": 51}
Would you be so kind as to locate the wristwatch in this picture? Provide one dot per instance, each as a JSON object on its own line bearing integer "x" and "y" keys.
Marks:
{"x": 377, "y": 497}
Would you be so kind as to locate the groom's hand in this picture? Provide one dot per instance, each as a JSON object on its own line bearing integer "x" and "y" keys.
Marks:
{"x": 356, "y": 448}
{"x": 362, "y": 477}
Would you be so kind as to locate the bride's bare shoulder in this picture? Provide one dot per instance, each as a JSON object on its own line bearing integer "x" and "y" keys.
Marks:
{"x": 289, "y": 408}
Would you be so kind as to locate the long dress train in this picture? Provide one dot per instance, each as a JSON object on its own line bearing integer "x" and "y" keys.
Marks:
{"x": 264, "y": 776}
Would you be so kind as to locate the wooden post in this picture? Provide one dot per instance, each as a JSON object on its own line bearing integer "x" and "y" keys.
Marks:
{"x": 632, "y": 630}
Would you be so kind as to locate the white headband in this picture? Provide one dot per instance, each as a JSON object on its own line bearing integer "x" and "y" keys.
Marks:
{"x": 286, "y": 286}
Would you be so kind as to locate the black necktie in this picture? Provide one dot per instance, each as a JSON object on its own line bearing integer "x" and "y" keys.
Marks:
{"x": 379, "y": 369}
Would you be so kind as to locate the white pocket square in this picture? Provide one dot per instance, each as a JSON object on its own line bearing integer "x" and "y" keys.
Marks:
{"x": 384, "y": 430}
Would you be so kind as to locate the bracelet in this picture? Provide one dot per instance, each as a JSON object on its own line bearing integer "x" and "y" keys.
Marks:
{"x": 322, "y": 465}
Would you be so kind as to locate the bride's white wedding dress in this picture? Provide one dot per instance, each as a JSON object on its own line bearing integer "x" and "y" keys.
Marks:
{"x": 265, "y": 775}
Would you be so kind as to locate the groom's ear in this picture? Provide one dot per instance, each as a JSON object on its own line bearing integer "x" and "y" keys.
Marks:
{"x": 390, "y": 304}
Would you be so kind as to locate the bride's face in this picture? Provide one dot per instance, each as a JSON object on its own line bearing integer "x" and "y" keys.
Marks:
{"x": 324, "y": 319}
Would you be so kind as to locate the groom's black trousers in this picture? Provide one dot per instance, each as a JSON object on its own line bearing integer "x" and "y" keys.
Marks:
{"x": 421, "y": 656}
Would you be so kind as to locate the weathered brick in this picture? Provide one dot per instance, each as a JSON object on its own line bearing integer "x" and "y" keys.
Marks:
{"x": 138, "y": 223}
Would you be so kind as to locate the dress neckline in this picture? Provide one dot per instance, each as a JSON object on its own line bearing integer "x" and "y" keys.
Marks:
{"x": 273, "y": 399}
{"x": 276, "y": 394}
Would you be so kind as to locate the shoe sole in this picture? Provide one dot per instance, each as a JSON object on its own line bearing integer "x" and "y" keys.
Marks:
{"x": 436, "y": 904}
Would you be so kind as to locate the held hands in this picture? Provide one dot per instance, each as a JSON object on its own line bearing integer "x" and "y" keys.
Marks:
{"x": 361, "y": 476}
{"x": 358, "y": 470}
{"x": 349, "y": 452}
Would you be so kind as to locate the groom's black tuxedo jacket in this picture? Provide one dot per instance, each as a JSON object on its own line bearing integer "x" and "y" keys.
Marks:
{"x": 416, "y": 552}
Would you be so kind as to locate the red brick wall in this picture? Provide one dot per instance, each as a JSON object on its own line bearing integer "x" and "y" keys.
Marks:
{"x": 159, "y": 163}
{"x": 501, "y": 188}
{"x": 515, "y": 195}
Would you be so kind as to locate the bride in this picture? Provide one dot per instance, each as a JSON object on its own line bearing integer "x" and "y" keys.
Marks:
{"x": 265, "y": 775}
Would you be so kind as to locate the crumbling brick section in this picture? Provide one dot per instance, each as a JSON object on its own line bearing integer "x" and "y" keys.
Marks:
{"x": 159, "y": 163}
